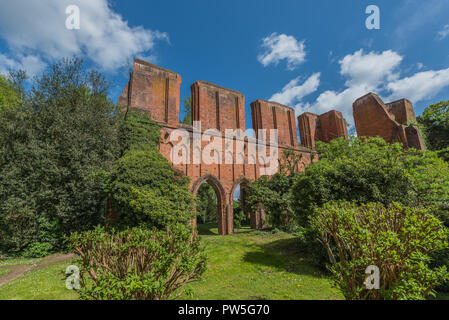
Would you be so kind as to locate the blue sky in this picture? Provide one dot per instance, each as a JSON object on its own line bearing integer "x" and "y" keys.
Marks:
{"x": 312, "y": 55}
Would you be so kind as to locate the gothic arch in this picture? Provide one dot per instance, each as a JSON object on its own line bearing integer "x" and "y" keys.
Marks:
{"x": 242, "y": 181}
{"x": 239, "y": 181}
{"x": 225, "y": 221}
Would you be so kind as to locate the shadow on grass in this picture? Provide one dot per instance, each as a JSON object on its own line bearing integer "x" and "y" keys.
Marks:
{"x": 207, "y": 229}
{"x": 283, "y": 255}
{"x": 243, "y": 229}
{"x": 211, "y": 229}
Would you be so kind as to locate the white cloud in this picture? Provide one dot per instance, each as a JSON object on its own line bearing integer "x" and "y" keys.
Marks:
{"x": 32, "y": 64}
{"x": 282, "y": 47}
{"x": 333, "y": 100}
{"x": 443, "y": 33}
{"x": 421, "y": 86}
{"x": 294, "y": 92}
{"x": 369, "y": 69}
{"x": 37, "y": 29}
{"x": 366, "y": 72}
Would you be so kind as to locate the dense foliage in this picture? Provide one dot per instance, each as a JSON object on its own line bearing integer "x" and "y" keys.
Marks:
{"x": 240, "y": 216}
{"x": 137, "y": 264}
{"x": 359, "y": 170}
{"x": 274, "y": 193}
{"x": 435, "y": 122}
{"x": 9, "y": 95}
{"x": 188, "y": 110}
{"x": 55, "y": 146}
{"x": 143, "y": 187}
{"x": 207, "y": 204}
{"x": 371, "y": 170}
{"x": 397, "y": 240}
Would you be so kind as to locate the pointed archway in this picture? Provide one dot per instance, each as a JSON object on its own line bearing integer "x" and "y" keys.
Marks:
{"x": 225, "y": 219}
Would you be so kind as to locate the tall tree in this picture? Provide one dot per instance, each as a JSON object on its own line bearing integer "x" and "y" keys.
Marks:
{"x": 55, "y": 150}
{"x": 9, "y": 96}
{"x": 435, "y": 120}
{"x": 188, "y": 109}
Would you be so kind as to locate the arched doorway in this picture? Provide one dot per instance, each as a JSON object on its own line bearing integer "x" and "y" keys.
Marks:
{"x": 224, "y": 215}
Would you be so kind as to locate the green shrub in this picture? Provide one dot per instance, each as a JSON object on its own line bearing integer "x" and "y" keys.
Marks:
{"x": 38, "y": 249}
{"x": 371, "y": 170}
{"x": 9, "y": 96}
{"x": 137, "y": 263}
{"x": 206, "y": 204}
{"x": 396, "y": 239}
{"x": 435, "y": 122}
{"x": 143, "y": 187}
{"x": 275, "y": 195}
{"x": 56, "y": 145}
{"x": 138, "y": 132}
{"x": 240, "y": 218}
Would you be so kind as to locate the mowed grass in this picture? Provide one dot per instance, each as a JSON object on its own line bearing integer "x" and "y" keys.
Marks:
{"x": 19, "y": 261}
{"x": 47, "y": 283}
{"x": 4, "y": 271}
{"x": 257, "y": 265}
{"x": 246, "y": 265}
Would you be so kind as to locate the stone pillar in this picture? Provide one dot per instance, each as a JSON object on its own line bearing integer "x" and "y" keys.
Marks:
{"x": 222, "y": 229}
{"x": 230, "y": 218}
{"x": 258, "y": 218}
{"x": 414, "y": 138}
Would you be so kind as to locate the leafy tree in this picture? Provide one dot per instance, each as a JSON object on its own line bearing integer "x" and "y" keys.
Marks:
{"x": 9, "y": 96}
{"x": 137, "y": 264}
{"x": 396, "y": 239}
{"x": 55, "y": 148}
{"x": 240, "y": 218}
{"x": 188, "y": 109}
{"x": 274, "y": 193}
{"x": 292, "y": 162}
{"x": 207, "y": 204}
{"x": 143, "y": 187}
{"x": 371, "y": 170}
{"x": 435, "y": 120}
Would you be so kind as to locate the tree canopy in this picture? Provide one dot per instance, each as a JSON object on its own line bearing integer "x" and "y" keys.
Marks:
{"x": 435, "y": 121}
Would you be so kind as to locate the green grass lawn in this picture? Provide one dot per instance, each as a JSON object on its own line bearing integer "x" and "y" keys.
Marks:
{"x": 43, "y": 284}
{"x": 4, "y": 271}
{"x": 257, "y": 265}
{"x": 247, "y": 265}
{"x": 17, "y": 261}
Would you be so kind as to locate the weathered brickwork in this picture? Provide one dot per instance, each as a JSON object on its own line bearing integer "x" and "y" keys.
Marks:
{"x": 272, "y": 115}
{"x": 325, "y": 127}
{"x": 389, "y": 121}
{"x": 156, "y": 91}
{"x": 217, "y": 107}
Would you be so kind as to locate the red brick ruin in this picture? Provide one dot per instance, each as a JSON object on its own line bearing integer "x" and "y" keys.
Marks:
{"x": 325, "y": 127}
{"x": 392, "y": 121}
{"x": 156, "y": 91}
